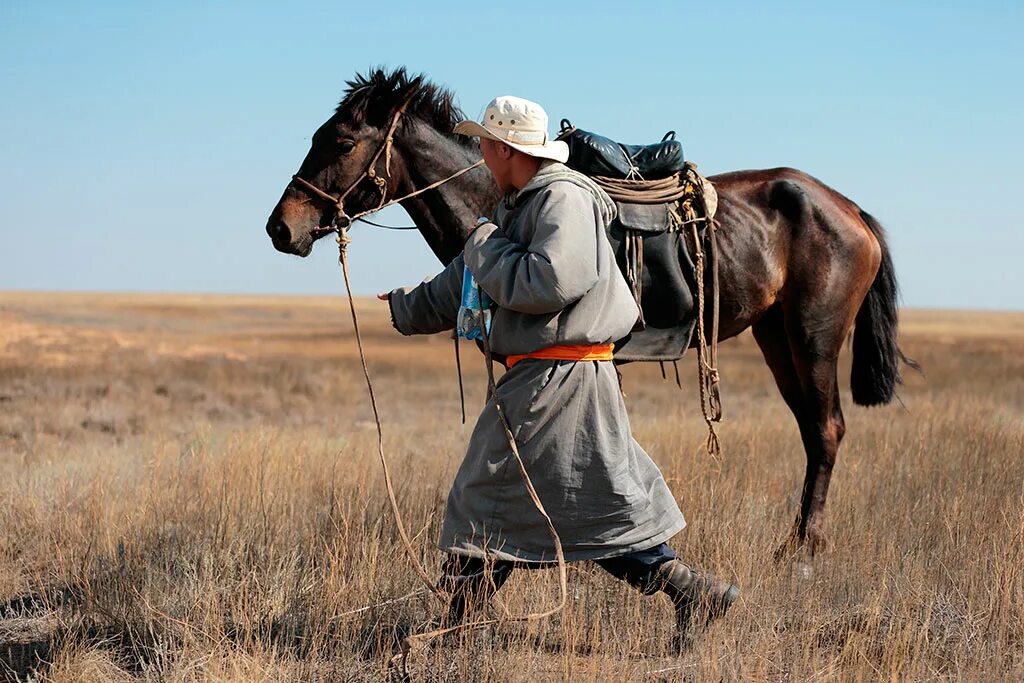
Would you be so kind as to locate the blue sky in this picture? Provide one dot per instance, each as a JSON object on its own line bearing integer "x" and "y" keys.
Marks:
{"x": 142, "y": 145}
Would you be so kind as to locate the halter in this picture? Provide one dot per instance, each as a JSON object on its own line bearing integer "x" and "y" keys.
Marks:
{"x": 341, "y": 220}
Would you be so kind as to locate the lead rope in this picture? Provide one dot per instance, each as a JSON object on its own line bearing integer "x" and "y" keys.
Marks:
{"x": 343, "y": 241}
{"x": 563, "y": 588}
{"x": 338, "y": 203}
{"x": 411, "y": 642}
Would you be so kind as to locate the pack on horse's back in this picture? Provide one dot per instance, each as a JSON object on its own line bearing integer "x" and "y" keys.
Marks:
{"x": 660, "y": 237}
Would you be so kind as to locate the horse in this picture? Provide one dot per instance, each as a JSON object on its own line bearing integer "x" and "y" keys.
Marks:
{"x": 799, "y": 264}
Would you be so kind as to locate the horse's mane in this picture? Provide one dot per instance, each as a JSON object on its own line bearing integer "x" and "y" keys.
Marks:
{"x": 371, "y": 99}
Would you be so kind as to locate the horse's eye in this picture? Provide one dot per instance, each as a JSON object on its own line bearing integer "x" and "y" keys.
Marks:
{"x": 346, "y": 146}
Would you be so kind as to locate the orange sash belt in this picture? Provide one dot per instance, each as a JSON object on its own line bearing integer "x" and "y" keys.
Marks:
{"x": 567, "y": 352}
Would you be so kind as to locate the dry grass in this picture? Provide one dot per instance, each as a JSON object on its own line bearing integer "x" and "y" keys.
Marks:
{"x": 192, "y": 494}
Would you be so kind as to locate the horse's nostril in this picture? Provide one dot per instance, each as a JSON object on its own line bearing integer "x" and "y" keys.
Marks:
{"x": 278, "y": 230}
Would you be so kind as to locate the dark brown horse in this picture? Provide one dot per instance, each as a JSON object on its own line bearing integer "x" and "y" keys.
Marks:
{"x": 799, "y": 263}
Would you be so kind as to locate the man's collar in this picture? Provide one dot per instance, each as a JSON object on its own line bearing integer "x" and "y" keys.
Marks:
{"x": 547, "y": 166}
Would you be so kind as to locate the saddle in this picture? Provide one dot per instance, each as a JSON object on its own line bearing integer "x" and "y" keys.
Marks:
{"x": 596, "y": 155}
{"x": 659, "y": 234}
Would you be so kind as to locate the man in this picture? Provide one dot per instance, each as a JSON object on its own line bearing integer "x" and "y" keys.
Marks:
{"x": 561, "y": 302}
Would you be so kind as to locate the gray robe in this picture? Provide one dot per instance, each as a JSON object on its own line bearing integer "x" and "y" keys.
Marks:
{"x": 547, "y": 264}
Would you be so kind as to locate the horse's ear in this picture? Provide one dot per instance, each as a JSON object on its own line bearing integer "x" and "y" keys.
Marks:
{"x": 379, "y": 109}
{"x": 375, "y": 110}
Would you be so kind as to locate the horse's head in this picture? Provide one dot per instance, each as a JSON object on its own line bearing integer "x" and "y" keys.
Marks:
{"x": 340, "y": 155}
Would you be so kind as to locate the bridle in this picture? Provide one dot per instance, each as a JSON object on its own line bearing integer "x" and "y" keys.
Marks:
{"x": 341, "y": 221}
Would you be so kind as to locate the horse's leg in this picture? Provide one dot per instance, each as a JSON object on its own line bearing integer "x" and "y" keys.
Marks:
{"x": 805, "y": 372}
{"x": 771, "y": 337}
{"x": 821, "y": 429}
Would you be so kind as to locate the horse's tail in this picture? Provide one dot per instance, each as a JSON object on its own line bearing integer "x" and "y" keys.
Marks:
{"x": 876, "y": 354}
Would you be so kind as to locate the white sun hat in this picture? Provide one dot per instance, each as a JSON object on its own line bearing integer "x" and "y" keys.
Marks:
{"x": 520, "y": 124}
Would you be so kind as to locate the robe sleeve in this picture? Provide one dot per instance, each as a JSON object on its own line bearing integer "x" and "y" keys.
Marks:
{"x": 431, "y": 306}
{"x": 557, "y": 266}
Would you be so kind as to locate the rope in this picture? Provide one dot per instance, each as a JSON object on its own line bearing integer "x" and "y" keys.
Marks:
{"x": 644, "y": 191}
{"x": 412, "y": 641}
{"x": 681, "y": 188}
{"x": 337, "y": 202}
{"x": 714, "y": 390}
{"x": 709, "y": 368}
{"x": 387, "y": 227}
{"x": 418, "y": 639}
{"x": 341, "y": 225}
{"x": 634, "y": 258}
{"x": 371, "y": 168}
{"x": 343, "y": 241}
{"x": 707, "y": 374}
{"x": 431, "y": 186}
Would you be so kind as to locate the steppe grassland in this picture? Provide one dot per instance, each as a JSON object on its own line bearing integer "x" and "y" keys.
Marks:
{"x": 192, "y": 492}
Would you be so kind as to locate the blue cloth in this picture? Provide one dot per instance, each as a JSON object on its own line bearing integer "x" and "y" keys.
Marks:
{"x": 475, "y": 312}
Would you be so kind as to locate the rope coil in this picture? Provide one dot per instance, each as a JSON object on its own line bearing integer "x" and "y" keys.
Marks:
{"x": 682, "y": 190}
{"x": 661, "y": 191}
{"x": 707, "y": 355}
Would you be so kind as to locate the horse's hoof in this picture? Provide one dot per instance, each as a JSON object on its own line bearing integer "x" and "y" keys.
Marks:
{"x": 803, "y": 571}
{"x": 800, "y": 548}
{"x": 789, "y": 550}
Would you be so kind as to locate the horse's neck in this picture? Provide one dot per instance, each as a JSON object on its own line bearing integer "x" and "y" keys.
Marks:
{"x": 443, "y": 215}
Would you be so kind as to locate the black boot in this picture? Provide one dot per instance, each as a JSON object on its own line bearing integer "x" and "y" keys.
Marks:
{"x": 471, "y": 583}
{"x": 695, "y": 594}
